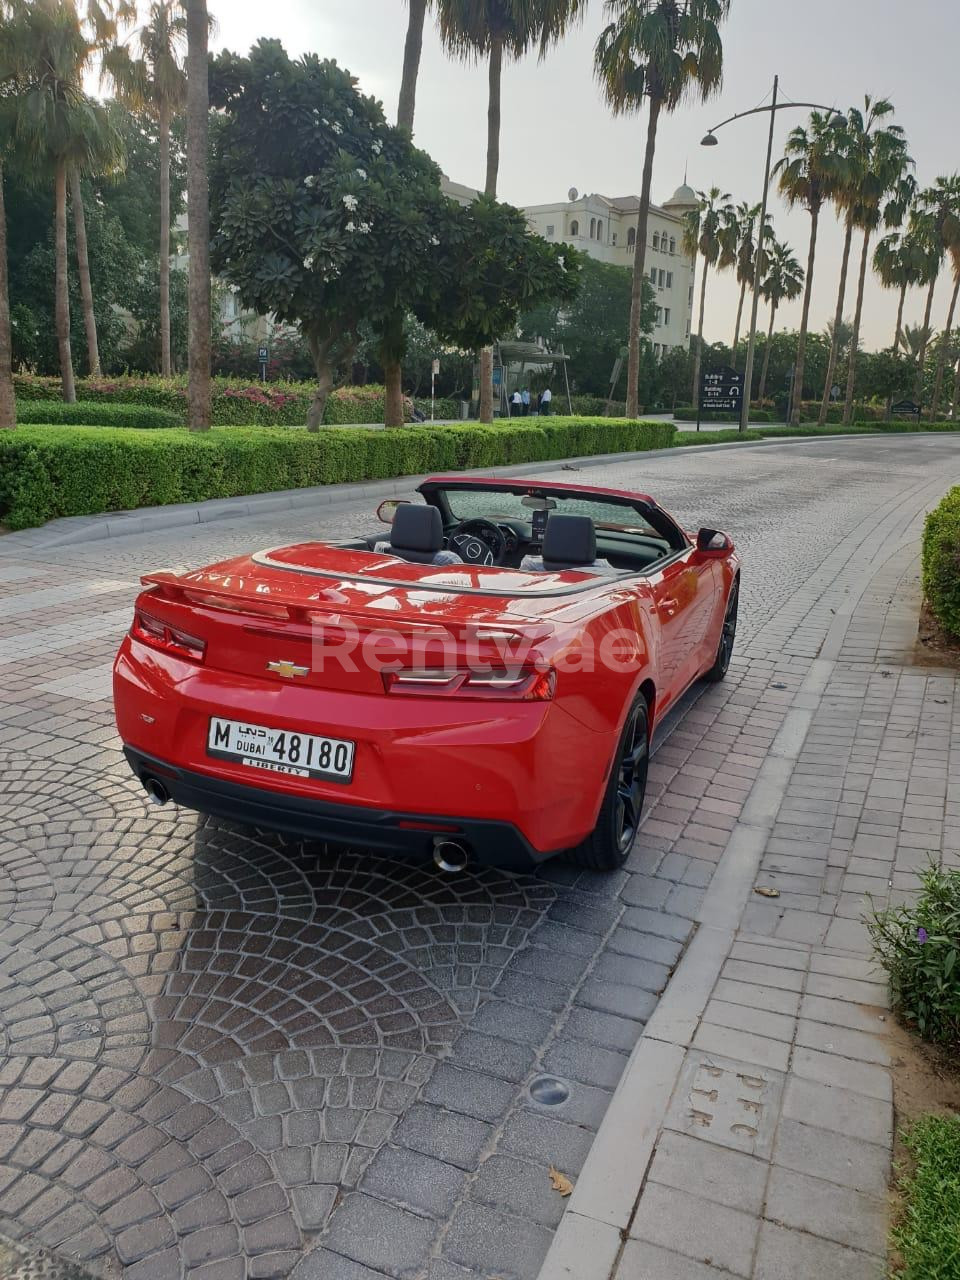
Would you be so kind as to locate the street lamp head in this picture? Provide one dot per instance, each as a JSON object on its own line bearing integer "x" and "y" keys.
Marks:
{"x": 710, "y": 140}
{"x": 838, "y": 120}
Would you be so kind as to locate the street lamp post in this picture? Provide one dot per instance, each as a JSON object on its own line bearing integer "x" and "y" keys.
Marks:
{"x": 710, "y": 140}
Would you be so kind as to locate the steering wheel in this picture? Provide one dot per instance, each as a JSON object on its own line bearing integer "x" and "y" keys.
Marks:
{"x": 478, "y": 541}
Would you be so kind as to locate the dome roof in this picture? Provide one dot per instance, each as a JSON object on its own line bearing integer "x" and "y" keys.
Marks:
{"x": 684, "y": 194}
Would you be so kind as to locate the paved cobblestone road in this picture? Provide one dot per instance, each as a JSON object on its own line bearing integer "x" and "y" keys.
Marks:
{"x": 225, "y": 1055}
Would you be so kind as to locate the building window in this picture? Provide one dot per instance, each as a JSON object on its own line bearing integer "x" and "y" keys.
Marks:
{"x": 669, "y": 274}
{"x": 673, "y": 245}
{"x": 599, "y": 228}
{"x": 593, "y": 228}
{"x": 666, "y": 315}
{"x": 653, "y": 275}
{"x": 574, "y": 228}
{"x": 656, "y": 241}
{"x": 690, "y": 297}
{"x": 631, "y": 237}
{"x": 659, "y": 315}
{"x": 614, "y": 237}
{"x": 550, "y": 231}
{"x": 660, "y": 279}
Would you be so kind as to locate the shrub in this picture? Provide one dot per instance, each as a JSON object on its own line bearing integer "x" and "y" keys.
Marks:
{"x": 928, "y": 1233}
{"x": 47, "y": 472}
{"x": 86, "y": 414}
{"x": 446, "y": 407}
{"x": 941, "y": 562}
{"x": 917, "y": 945}
{"x": 687, "y": 438}
{"x": 690, "y": 415}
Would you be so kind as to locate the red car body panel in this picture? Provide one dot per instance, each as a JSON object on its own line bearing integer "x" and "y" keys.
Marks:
{"x": 533, "y": 771}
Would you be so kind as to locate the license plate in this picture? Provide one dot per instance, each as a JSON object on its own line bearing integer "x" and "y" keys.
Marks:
{"x": 305, "y": 755}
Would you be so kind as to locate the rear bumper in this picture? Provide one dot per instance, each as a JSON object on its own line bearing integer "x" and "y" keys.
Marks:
{"x": 490, "y": 843}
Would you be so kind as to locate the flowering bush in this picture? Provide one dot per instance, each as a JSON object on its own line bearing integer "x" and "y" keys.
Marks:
{"x": 917, "y": 945}
{"x": 236, "y": 402}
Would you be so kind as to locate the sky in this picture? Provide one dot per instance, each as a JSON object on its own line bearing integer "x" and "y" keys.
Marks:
{"x": 558, "y": 132}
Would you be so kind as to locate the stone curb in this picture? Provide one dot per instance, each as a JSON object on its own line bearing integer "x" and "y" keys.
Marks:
{"x": 589, "y": 1240}
{"x": 70, "y": 530}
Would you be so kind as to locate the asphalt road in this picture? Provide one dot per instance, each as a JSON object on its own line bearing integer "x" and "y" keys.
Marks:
{"x": 228, "y": 1055}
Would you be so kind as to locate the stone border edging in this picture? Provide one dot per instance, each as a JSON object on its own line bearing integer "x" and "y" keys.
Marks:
{"x": 118, "y": 524}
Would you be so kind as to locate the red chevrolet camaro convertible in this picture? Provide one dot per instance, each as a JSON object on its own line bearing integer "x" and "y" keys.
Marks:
{"x": 480, "y": 680}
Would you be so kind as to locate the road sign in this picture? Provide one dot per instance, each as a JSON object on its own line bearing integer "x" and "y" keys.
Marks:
{"x": 435, "y": 368}
{"x": 721, "y": 391}
{"x": 264, "y": 355}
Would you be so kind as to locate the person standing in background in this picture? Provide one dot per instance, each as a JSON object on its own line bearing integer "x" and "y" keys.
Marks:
{"x": 545, "y": 401}
{"x": 515, "y": 405}
{"x": 525, "y": 398}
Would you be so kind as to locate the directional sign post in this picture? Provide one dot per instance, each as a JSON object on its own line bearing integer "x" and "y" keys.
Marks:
{"x": 264, "y": 356}
{"x": 721, "y": 391}
{"x": 434, "y": 371}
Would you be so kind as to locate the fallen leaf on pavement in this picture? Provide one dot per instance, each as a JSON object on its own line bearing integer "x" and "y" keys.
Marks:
{"x": 766, "y": 892}
{"x": 560, "y": 1182}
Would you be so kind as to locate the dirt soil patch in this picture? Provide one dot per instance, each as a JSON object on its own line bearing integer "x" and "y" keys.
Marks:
{"x": 934, "y": 647}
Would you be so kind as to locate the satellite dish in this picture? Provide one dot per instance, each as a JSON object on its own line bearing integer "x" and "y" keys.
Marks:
{"x": 573, "y": 194}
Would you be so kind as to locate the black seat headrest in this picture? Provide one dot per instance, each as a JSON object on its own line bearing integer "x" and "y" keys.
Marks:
{"x": 416, "y": 528}
{"x": 569, "y": 541}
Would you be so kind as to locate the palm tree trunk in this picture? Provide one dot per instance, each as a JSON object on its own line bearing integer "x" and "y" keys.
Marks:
{"x": 736, "y": 332}
{"x": 8, "y": 402}
{"x": 166, "y": 361}
{"x": 62, "y": 295}
{"x": 699, "y": 352}
{"x": 924, "y": 340}
{"x": 855, "y": 337}
{"x": 639, "y": 264}
{"x": 899, "y": 334}
{"x": 837, "y": 322}
{"x": 766, "y": 354}
{"x": 944, "y": 349}
{"x": 198, "y": 203}
{"x": 83, "y": 270}
{"x": 955, "y": 403}
{"x": 796, "y": 407}
{"x": 493, "y": 117}
{"x": 411, "y": 65}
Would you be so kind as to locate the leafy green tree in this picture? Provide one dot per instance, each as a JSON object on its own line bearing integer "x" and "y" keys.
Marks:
{"x": 674, "y": 371}
{"x": 704, "y": 232}
{"x": 806, "y": 175}
{"x": 886, "y": 375}
{"x": 8, "y": 89}
{"x": 946, "y": 338}
{"x": 328, "y": 217}
{"x": 144, "y": 350}
{"x": 782, "y": 282}
{"x": 199, "y": 289}
{"x": 901, "y": 263}
{"x": 591, "y": 327}
{"x": 936, "y": 223}
{"x": 661, "y": 50}
{"x": 155, "y": 81}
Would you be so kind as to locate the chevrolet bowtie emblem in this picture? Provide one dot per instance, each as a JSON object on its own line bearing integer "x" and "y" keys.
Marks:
{"x": 287, "y": 669}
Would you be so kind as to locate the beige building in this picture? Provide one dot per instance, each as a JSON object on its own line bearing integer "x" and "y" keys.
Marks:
{"x": 606, "y": 229}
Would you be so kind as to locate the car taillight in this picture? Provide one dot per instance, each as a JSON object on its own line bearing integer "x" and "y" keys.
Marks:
{"x": 512, "y": 686}
{"x": 161, "y": 635}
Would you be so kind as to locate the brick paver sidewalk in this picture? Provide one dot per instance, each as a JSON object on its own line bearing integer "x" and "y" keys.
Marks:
{"x": 752, "y": 1132}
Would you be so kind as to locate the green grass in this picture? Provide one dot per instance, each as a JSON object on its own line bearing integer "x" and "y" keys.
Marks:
{"x": 928, "y": 1234}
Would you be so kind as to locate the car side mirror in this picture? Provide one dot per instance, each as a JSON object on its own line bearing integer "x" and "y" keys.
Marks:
{"x": 388, "y": 509}
{"x": 712, "y": 542}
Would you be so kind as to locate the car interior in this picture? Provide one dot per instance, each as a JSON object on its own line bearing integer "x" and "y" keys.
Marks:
{"x": 524, "y": 529}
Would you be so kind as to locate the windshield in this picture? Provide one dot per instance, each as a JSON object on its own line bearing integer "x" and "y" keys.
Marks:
{"x": 468, "y": 504}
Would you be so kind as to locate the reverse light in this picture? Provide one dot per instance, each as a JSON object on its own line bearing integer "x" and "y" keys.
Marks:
{"x": 158, "y": 634}
{"x": 512, "y": 686}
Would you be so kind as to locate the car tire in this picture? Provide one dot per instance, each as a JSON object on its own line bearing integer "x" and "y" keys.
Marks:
{"x": 728, "y": 637}
{"x": 611, "y": 841}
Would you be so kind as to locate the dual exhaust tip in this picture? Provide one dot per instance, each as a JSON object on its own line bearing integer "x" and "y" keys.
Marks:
{"x": 448, "y": 855}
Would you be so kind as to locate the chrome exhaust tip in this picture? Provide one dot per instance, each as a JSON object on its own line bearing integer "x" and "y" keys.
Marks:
{"x": 449, "y": 855}
{"x": 157, "y": 793}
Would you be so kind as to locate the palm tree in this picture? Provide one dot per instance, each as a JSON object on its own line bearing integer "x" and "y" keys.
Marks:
{"x": 936, "y": 222}
{"x": 916, "y": 339}
{"x": 660, "y": 50}
{"x": 805, "y": 175}
{"x": 155, "y": 81}
{"x": 8, "y": 88}
{"x": 411, "y": 64}
{"x": 878, "y": 157}
{"x": 703, "y": 230}
{"x": 946, "y": 338}
{"x": 98, "y": 150}
{"x": 900, "y": 264}
{"x": 782, "y": 283}
{"x": 492, "y": 29}
{"x": 198, "y": 223}
{"x": 743, "y": 240}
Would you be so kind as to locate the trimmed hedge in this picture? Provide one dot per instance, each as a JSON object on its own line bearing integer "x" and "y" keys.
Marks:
{"x": 47, "y": 472}
{"x": 86, "y": 414}
{"x": 690, "y": 415}
{"x": 235, "y": 402}
{"x": 445, "y": 407}
{"x": 941, "y": 562}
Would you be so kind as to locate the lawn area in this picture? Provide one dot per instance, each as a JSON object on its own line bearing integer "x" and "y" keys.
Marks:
{"x": 927, "y": 1236}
